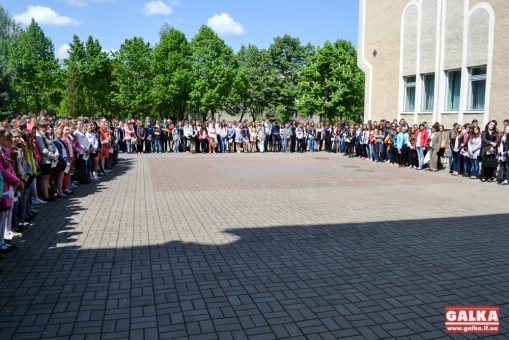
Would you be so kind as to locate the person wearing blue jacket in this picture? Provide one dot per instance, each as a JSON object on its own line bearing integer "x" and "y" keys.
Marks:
{"x": 149, "y": 132}
{"x": 276, "y": 137}
{"x": 401, "y": 140}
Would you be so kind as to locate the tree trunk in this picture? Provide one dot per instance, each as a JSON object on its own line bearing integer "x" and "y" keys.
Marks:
{"x": 37, "y": 104}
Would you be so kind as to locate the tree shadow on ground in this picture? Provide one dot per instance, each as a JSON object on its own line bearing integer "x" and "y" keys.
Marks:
{"x": 374, "y": 280}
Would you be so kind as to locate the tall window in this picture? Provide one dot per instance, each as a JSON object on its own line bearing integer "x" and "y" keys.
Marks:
{"x": 477, "y": 90}
{"x": 409, "y": 104}
{"x": 428, "y": 92}
{"x": 452, "y": 101}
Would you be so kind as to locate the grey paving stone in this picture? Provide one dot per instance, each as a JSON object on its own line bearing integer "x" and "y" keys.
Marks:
{"x": 257, "y": 246}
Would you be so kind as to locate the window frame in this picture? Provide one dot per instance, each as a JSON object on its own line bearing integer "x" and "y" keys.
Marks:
{"x": 423, "y": 91}
{"x": 406, "y": 85}
{"x": 448, "y": 82}
{"x": 472, "y": 78}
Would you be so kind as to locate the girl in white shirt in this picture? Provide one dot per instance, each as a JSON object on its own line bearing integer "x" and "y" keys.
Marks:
{"x": 94, "y": 145}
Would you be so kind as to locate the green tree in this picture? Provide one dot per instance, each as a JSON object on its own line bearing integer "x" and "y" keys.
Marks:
{"x": 94, "y": 66}
{"x": 252, "y": 90}
{"x": 9, "y": 34}
{"x": 215, "y": 68}
{"x": 132, "y": 77}
{"x": 33, "y": 60}
{"x": 288, "y": 57}
{"x": 171, "y": 68}
{"x": 75, "y": 100}
{"x": 332, "y": 84}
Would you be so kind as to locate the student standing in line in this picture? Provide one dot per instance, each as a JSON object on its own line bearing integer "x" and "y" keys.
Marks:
{"x": 474, "y": 150}
{"x": 158, "y": 135}
{"x": 490, "y": 141}
{"x": 456, "y": 145}
{"x": 504, "y": 152}
{"x": 421, "y": 141}
{"x": 435, "y": 144}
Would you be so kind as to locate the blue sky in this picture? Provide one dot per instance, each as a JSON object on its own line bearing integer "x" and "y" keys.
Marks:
{"x": 237, "y": 22}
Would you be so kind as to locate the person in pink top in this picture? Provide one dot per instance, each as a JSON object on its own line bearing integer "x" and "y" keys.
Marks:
{"x": 128, "y": 133}
{"x": 11, "y": 182}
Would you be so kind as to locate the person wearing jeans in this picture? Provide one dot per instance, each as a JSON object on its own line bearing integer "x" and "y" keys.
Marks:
{"x": 176, "y": 140}
{"x": 222, "y": 135}
{"x": 128, "y": 133}
{"x": 456, "y": 145}
{"x": 312, "y": 137}
{"x": 421, "y": 141}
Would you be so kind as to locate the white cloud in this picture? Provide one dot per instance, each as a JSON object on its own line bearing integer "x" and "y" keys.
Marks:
{"x": 63, "y": 52}
{"x": 45, "y": 16}
{"x": 156, "y": 7}
{"x": 224, "y": 25}
{"x": 111, "y": 50}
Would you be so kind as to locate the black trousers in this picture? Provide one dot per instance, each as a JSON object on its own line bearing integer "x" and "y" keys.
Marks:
{"x": 80, "y": 167}
{"x": 487, "y": 172}
{"x": 328, "y": 142}
{"x": 350, "y": 147}
{"x": 203, "y": 145}
{"x": 148, "y": 146}
{"x": 266, "y": 142}
{"x": 299, "y": 145}
{"x": 139, "y": 146}
{"x": 292, "y": 143}
{"x": 164, "y": 143}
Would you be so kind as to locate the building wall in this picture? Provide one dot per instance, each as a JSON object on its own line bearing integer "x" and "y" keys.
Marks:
{"x": 432, "y": 36}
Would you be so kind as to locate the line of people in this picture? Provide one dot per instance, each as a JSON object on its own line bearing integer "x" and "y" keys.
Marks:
{"x": 416, "y": 146}
{"x": 44, "y": 159}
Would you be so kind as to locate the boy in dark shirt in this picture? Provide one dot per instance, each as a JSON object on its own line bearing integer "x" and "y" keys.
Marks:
{"x": 158, "y": 134}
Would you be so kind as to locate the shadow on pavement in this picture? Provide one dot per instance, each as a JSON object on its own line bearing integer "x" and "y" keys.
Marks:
{"x": 356, "y": 281}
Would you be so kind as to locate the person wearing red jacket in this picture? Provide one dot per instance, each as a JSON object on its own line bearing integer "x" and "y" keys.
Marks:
{"x": 421, "y": 143}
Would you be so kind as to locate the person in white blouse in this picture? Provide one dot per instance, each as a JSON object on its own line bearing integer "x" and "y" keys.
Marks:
{"x": 84, "y": 146}
{"x": 94, "y": 145}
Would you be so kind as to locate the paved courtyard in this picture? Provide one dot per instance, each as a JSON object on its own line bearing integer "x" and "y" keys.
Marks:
{"x": 259, "y": 246}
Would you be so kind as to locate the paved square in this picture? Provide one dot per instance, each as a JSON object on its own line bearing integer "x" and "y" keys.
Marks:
{"x": 259, "y": 246}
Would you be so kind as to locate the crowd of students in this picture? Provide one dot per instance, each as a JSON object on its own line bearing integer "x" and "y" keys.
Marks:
{"x": 43, "y": 159}
{"x": 473, "y": 151}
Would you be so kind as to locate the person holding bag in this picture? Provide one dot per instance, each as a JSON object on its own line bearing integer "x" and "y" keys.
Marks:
{"x": 490, "y": 141}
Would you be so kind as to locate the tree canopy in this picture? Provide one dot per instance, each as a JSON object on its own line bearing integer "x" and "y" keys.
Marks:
{"x": 177, "y": 77}
{"x": 331, "y": 84}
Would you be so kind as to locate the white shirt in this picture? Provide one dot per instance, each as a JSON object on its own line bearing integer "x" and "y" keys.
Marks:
{"x": 82, "y": 141}
{"x": 92, "y": 139}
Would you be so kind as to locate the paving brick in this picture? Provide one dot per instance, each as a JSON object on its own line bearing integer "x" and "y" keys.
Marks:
{"x": 258, "y": 246}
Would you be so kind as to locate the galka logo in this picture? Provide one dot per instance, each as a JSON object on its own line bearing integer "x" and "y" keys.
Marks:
{"x": 472, "y": 319}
